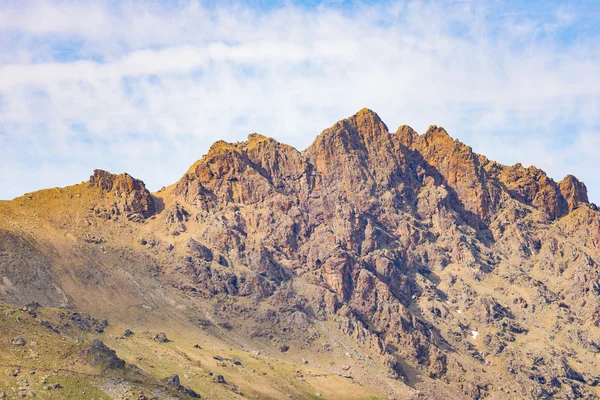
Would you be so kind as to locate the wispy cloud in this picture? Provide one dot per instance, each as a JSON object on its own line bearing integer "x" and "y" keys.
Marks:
{"x": 146, "y": 87}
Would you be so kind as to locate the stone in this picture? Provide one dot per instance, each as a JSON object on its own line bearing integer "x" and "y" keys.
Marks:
{"x": 174, "y": 381}
{"x": 18, "y": 341}
{"x": 161, "y": 337}
{"x": 100, "y": 355}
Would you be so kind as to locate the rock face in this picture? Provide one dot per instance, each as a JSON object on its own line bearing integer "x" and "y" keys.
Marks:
{"x": 425, "y": 255}
{"x": 387, "y": 223}
{"x": 573, "y": 191}
{"x": 132, "y": 197}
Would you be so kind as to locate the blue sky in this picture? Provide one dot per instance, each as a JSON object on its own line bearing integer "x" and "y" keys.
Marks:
{"x": 147, "y": 86}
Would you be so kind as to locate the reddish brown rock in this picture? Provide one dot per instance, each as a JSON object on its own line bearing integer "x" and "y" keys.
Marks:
{"x": 532, "y": 186}
{"x": 131, "y": 194}
{"x": 573, "y": 191}
{"x": 430, "y": 262}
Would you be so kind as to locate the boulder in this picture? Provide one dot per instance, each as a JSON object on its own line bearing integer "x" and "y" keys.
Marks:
{"x": 161, "y": 337}
{"x": 18, "y": 341}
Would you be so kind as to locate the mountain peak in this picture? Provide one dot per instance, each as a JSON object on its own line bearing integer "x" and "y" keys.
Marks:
{"x": 349, "y": 141}
{"x": 367, "y": 113}
{"x": 368, "y": 123}
{"x": 416, "y": 253}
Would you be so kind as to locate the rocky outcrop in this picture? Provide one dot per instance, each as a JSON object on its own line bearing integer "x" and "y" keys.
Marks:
{"x": 533, "y": 187}
{"x": 455, "y": 166}
{"x": 98, "y": 354}
{"x": 174, "y": 382}
{"x": 83, "y": 322}
{"x": 130, "y": 195}
{"x": 573, "y": 191}
{"x": 161, "y": 337}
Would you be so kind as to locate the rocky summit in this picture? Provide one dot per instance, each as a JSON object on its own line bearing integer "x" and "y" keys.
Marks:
{"x": 371, "y": 265}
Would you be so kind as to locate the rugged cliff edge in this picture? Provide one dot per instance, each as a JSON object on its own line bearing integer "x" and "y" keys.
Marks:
{"x": 404, "y": 260}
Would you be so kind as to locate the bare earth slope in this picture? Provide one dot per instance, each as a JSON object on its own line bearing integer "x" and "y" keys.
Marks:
{"x": 370, "y": 265}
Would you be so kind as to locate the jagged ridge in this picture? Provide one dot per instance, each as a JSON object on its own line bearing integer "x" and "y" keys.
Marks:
{"x": 424, "y": 253}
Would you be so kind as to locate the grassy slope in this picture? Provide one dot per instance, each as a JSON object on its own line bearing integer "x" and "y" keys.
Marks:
{"x": 57, "y": 358}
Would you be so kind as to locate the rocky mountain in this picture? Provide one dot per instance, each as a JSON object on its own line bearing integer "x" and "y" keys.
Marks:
{"x": 370, "y": 265}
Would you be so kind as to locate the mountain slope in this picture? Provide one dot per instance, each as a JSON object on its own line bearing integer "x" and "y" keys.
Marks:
{"x": 407, "y": 261}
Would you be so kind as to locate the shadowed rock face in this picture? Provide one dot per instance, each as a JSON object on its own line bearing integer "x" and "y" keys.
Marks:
{"x": 425, "y": 254}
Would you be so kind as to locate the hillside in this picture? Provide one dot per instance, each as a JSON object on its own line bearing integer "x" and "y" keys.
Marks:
{"x": 370, "y": 265}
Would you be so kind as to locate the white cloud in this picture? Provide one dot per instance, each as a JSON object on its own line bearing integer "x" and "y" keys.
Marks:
{"x": 146, "y": 88}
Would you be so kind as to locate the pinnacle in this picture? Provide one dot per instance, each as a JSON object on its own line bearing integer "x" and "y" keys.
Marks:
{"x": 367, "y": 112}
{"x": 368, "y": 124}
{"x": 366, "y": 116}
